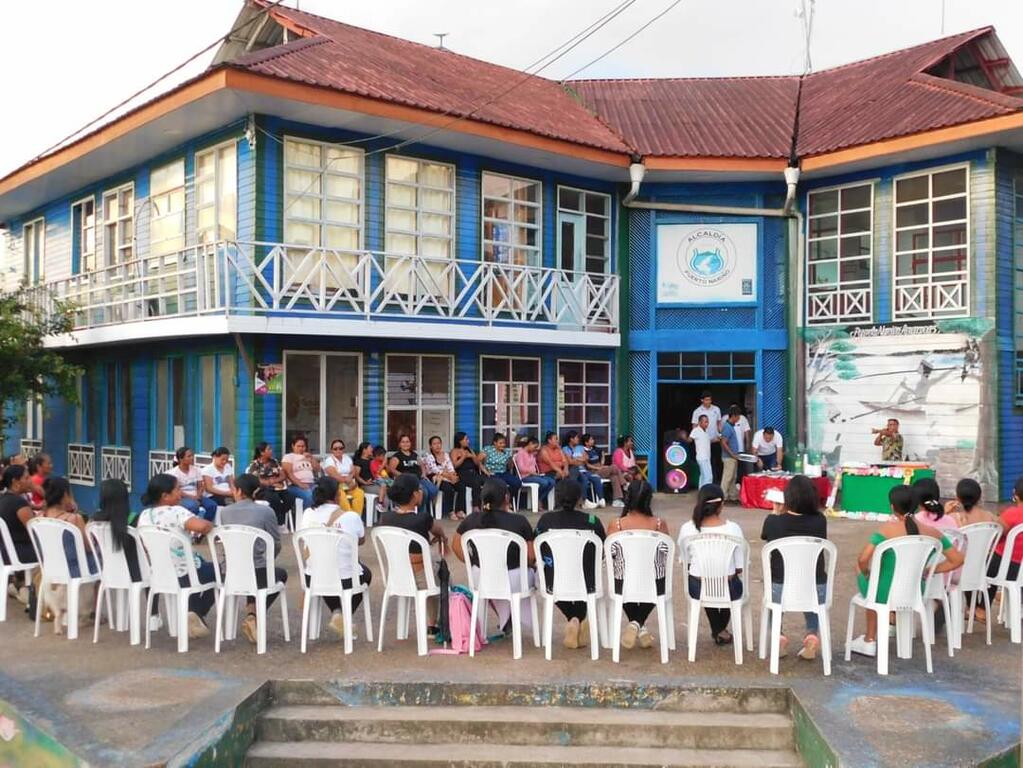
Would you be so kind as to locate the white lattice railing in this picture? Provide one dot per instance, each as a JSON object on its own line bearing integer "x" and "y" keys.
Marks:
{"x": 160, "y": 462}
{"x": 81, "y": 463}
{"x": 30, "y": 447}
{"x": 826, "y": 306}
{"x": 948, "y": 298}
{"x": 271, "y": 279}
{"x": 115, "y": 463}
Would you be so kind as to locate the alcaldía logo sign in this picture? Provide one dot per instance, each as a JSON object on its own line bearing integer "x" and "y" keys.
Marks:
{"x": 706, "y": 257}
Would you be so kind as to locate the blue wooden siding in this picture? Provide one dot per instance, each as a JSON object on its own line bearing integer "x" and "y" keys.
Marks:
{"x": 1008, "y": 254}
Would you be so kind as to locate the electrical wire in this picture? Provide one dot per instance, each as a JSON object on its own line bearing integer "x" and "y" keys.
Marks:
{"x": 161, "y": 78}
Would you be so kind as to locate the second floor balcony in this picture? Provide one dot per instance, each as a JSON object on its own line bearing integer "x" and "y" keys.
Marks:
{"x": 256, "y": 287}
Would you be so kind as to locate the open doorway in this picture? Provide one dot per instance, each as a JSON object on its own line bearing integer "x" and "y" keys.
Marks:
{"x": 675, "y": 405}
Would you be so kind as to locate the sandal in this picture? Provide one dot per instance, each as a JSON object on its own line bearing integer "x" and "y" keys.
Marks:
{"x": 724, "y": 637}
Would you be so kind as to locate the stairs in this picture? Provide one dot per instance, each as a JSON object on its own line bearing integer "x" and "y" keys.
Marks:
{"x": 709, "y": 731}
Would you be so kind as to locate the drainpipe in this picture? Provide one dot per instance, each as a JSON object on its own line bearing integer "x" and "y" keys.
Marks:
{"x": 789, "y": 211}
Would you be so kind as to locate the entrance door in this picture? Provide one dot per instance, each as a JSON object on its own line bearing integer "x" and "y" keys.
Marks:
{"x": 572, "y": 259}
{"x": 322, "y": 396}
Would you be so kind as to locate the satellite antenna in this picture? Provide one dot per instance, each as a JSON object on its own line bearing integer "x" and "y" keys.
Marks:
{"x": 440, "y": 39}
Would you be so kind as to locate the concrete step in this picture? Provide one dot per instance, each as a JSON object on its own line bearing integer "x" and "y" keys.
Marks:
{"x": 313, "y": 754}
{"x": 532, "y": 726}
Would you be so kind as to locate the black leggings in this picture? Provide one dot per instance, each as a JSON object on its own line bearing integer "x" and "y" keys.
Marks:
{"x": 279, "y": 502}
{"x": 334, "y": 603}
{"x": 280, "y": 575}
{"x": 639, "y": 612}
{"x": 472, "y": 480}
{"x": 718, "y": 617}
{"x": 992, "y": 571}
{"x": 575, "y": 609}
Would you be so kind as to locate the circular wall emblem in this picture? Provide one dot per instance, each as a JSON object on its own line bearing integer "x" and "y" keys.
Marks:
{"x": 706, "y": 257}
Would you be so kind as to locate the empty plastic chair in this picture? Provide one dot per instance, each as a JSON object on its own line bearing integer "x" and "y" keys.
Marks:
{"x": 10, "y": 564}
{"x": 712, "y": 555}
{"x": 48, "y": 536}
{"x": 491, "y": 581}
{"x": 392, "y": 549}
{"x": 1010, "y": 613}
{"x": 638, "y": 559}
{"x": 981, "y": 539}
{"x": 236, "y": 578}
{"x": 800, "y": 555}
{"x": 915, "y": 560}
{"x": 567, "y": 548}
{"x": 115, "y": 577}
{"x": 317, "y": 552}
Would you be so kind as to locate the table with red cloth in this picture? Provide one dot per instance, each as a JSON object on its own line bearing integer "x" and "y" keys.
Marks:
{"x": 755, "y": 486}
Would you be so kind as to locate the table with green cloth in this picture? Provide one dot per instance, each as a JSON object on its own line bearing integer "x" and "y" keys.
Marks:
{"x": 869, "y": 493}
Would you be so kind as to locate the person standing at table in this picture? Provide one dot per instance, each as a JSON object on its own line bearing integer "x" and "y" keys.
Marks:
{"x": 731, "y": 448}
{"x": 890, "y": 441}
{"x": 713, "y": 430}
{"x": 742, "y": 429}
{"x": 701, "y": 440}
{"x": 769, "y": 448}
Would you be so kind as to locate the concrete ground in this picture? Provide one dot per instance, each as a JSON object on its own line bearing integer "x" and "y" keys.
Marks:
{"x": 114, "y": 704}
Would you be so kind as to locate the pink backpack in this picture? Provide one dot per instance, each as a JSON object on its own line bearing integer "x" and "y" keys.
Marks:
{"x": 459, "y": 620}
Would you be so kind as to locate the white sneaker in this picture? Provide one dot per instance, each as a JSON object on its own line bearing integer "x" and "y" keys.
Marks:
{"x": 601, "y": 503}
{"x": 618, "y": 503}
{"x": 587, "y": 504}
{"x": 860, "y": 646}
{"x": 155, "y": 623}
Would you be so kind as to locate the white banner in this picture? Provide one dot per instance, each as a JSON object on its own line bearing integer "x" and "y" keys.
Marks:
{"x": 706, "y": 263}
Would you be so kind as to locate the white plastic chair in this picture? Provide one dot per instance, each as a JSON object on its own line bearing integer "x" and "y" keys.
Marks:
{"x": 238, "y": 580}
{"x": 915, "y": 560}
{"x": 713, "y": 554}
{"x": 1010, "y": 613}
{"x": 438, "y": 503}
{"x": 47, "y": 536}
{"x": 115, "y": 577}
{"x": 491, "y": 581}
{"x": 163, "y": 579}
{"x": 371, "y": 508}
{"x": 747, "y": 603}
{"x": 317, "y": 554}
{"x": 10, "y": 565}
{"x": 392, "y": 549}
{"x": 637, "y": 566}
{"x": 799, "y": 555}
{"x": 294, "y": 515}
{"x": 533, "y": 489}
{"x": 937, "y": 590}
{"x": 567, "y": 548}
{"x": 981, "y": 539}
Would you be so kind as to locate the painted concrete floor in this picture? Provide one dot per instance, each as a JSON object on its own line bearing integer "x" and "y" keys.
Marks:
{"x": 114, "y": 704}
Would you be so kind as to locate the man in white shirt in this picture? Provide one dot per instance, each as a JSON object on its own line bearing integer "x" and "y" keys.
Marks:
{"x": 768, "y": 446}
{"x": 713, "y": 429}
{"x": 700, "y": 438}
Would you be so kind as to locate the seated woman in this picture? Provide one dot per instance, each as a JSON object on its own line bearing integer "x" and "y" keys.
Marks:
{"x": 494, "y": 503}
{"x": 40, "y": 467}
{"x": 494, "y": 461}
{"x": 965, "y": 507}
{"x": 930, "y": 510}
{"x": 340, "y": 467}
{"x": 799, "y": 515}
{"x": 405, "y": 461}
{"x": 362, "y": 460}
{"x": 218, "y": 477}
{"x": 60, "y": 504}
{"x": 707, "y": 518}
{"x": 300, "y": 468}
{"x": 1009, "y": 519}
{"x": 408, "y": 511}
{"x": 551, "y": 460}
{"x": 163, "y": 508}
{"x": 525, "y": 463}
{"x": 272, "y": 483}
{"x": 577, "y": 459}
{"x": 624, "y": 457}
{"x": 904, "y": 501}
{"x": 15, "y": 511}
{"x": 193, "y": 487}
{"x": 326, "y": 513}
{"x": 638, "y": 514}
{"x": 470, "y": 471}
{"x": 441, "y": 472}
{"x": 114, "y": 508}
{"x": 610, "y": 472}
{"x": 567, "y": 496}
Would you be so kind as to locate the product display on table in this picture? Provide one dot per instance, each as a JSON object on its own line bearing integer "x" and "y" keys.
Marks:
{"x": 861, "y": 490}
{"x": 755, "y": 487}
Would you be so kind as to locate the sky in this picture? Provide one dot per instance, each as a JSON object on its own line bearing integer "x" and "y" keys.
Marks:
{"x": 65, "y": 62}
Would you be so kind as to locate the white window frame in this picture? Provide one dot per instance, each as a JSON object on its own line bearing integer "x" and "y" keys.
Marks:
{"x": 34, "y": 419}
{"x": 841, "y": 287}
{"x": 931, "y": 284}
{"x": 175, "y": 242}
{"x": 561, "y": 427}
{"x": 586, "y": 216}
{"x": 417, "y": 234}
{"x": 32, "y": 262}
{"x": 323, "y": 170}
{"x": 113, "y": 249}
{"x": 419, "y": 408}
{"x": 527, "y": 403}
{"x": 212, "y": 234}
{"x": 87, "y": 261}
{"x": 535, "y": 259}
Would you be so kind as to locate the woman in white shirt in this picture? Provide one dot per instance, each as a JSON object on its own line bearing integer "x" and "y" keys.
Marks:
{"x": 440, "y": 471}
{"x": 341, "y": 468}
{"x": 218, "y": 477}
{"x": 707, "y": 519}
{"x": 326, "y": 513}
{"x": 193, "y": 488}
{"x": 300, "y": 468}
{"x": 162, "y": 501}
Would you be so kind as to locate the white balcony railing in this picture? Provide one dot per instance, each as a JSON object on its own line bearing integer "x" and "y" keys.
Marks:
{"x": 115, "y": 462}
{"x": 274, "y": 280}
{"x": 29, "y": 447}
{"x": 81, "y": 463}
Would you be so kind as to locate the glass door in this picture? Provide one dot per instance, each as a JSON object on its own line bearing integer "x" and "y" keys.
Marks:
{"x": 572, "y": 260}
{"x": 322, "y": 398}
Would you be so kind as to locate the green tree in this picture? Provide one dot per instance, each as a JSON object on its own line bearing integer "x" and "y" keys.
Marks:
{"x": 28, "y": 369}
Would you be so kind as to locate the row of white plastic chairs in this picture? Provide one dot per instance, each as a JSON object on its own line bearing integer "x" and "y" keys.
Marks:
{"x": 643, "y": 553}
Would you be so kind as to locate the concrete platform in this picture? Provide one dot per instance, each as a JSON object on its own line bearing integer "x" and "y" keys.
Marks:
{"x": 112, "y": 704}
